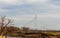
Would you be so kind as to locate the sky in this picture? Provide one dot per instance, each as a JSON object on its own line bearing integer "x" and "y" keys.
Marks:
{"x": 23, "y": 11}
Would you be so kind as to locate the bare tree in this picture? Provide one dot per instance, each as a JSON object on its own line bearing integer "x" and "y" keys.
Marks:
{"x": 3, "y": 25}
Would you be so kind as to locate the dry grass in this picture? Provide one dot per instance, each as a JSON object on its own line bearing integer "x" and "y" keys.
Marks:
{"x": 53, "y": 33}
{"x": 1, "y": 36}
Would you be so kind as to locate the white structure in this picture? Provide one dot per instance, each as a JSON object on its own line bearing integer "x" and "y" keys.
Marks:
{"x": 33, "y": 23}
{"x": 36, "y": 24}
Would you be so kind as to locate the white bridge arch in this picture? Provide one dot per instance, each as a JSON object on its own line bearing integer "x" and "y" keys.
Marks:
{"x": 34, "y": 23}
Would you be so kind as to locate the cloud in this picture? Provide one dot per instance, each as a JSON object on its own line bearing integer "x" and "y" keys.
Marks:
{"x": 18, "y": 2}
{"x": 34, "y": 1}
{"x": 39, "y": 8}
{"x": 55, "y": 2}
{"x": 30, "y": 8}
{"x": 12, "y": 2}
{"x": 3, "y": 11}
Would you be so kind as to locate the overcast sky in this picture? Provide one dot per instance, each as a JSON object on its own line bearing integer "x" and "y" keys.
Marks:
{"x": 22, "y": 11}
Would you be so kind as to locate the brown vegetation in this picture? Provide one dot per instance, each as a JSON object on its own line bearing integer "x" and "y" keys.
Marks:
{"x": 28, "y": 33}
